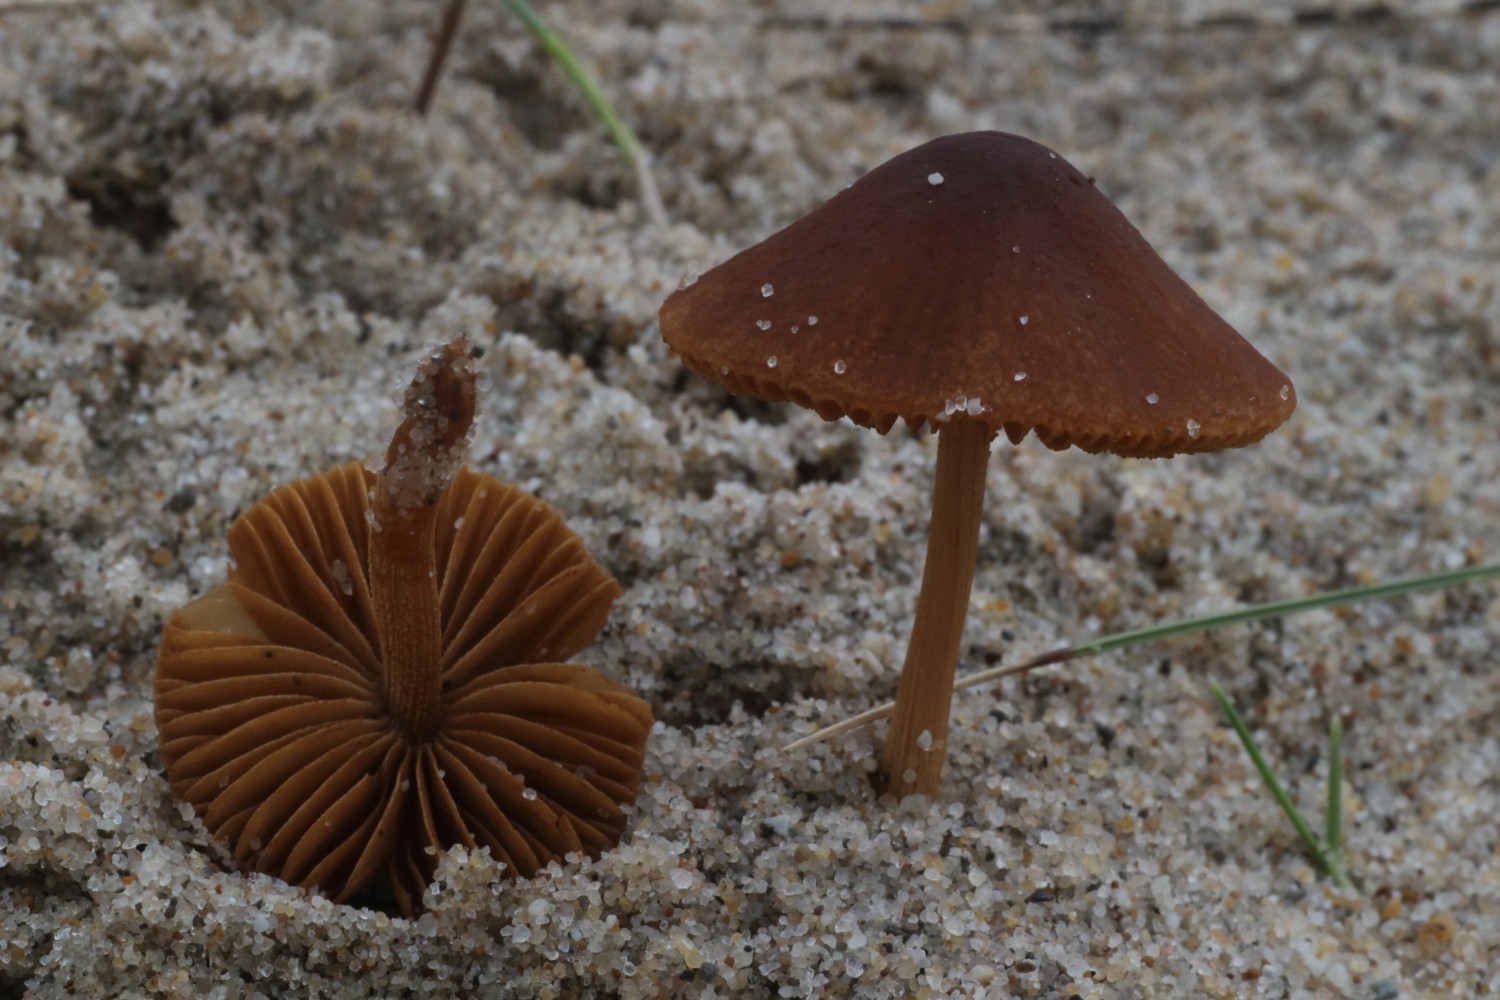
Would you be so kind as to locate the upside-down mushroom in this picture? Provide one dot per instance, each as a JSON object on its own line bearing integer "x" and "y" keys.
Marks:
{"x": 383, "y": 674}
{"x": 976, "y": 283}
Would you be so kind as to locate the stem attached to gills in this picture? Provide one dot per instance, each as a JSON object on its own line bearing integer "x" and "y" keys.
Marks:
{"x": 404, "y": 592}
{"x": 425, "y": 453}
{"x": 913, "y": 762}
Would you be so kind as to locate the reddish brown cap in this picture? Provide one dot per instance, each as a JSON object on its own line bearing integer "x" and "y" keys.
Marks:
{"x": 979, "y": 277}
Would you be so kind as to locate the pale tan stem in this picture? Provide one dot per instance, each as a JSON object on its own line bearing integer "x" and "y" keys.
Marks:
{"x": 408, "y": 619}
{"x": 913, "y": 763}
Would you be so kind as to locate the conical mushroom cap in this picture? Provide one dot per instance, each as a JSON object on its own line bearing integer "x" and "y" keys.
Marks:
{"x": 979, "y": 277}
{"x": 273, "y": 726}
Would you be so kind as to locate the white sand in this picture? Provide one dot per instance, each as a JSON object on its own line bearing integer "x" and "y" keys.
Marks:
{"x": 225, "y": 241}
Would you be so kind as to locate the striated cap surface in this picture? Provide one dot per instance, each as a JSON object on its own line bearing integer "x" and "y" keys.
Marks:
{"x": 979, "y": 277}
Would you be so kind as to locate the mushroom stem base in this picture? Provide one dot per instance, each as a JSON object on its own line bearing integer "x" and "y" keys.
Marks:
{"x": 912, "y": 762}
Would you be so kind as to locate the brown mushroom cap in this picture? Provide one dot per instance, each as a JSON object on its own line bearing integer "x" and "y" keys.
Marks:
{"x": 979, "y": 277}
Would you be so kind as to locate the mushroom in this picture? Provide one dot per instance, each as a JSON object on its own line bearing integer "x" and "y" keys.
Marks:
{"x": 975, "y": 283}
{"x": 384, "y": 674}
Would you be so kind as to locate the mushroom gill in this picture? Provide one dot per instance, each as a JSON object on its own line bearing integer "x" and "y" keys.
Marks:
{"x": 383, "y": 674}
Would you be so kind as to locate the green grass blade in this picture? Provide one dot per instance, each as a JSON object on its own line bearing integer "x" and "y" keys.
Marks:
{"x": 1334, "y": 817}
{"x": 618, "y": 130}
{"x": 1278, "y": 609}
{"x": 1268, "y": 776}
{"x": 1240, "y": 616}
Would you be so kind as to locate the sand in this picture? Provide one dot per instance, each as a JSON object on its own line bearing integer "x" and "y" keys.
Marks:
{"x": 226, "y": 241}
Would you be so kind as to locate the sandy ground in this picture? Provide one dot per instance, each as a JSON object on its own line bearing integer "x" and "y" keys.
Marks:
{"x": 225, "y": 240}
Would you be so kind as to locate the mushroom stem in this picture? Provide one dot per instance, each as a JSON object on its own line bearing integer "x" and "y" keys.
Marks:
{"x": 912, "y": 762}
{"x": 408, "y": 619}
{"x": 425, "y": 453}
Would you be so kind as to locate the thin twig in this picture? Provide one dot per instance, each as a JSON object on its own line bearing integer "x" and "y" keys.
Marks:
{"x": 452, "y": 15}
{"x": 881, "y": 711}
{"x": 1276, "y": 609}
